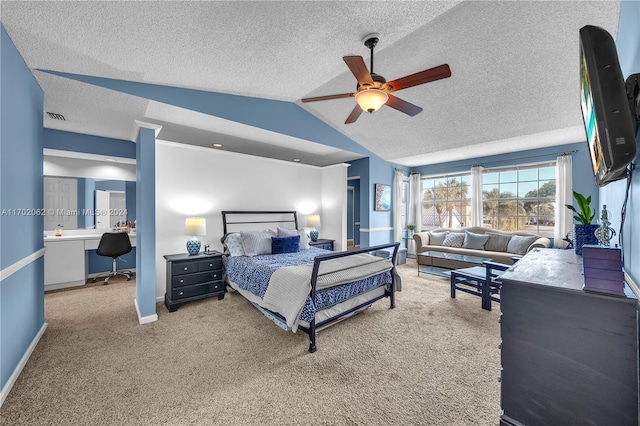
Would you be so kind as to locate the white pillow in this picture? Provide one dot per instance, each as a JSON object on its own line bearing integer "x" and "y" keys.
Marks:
{"x": 304, "y": 238}
{"x": 453, "y": 239}
{"x": 233, "y": 242}
{"x": 437, "y": 238}
{"x": 257, "y": 242}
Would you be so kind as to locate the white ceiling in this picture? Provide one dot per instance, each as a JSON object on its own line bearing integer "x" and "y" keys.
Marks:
{"x": 514, "y": 64}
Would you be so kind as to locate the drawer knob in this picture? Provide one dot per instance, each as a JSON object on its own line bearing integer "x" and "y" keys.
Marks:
{"x": 181, "y": 293}
{"x": 211, "y": 264}
{"x": 181, "y": 281}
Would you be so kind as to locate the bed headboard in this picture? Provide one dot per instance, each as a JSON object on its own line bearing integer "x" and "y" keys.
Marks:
{"x": 249, "y": 220}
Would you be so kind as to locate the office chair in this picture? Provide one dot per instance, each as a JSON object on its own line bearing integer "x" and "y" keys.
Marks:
{"x": 113, "y": 245}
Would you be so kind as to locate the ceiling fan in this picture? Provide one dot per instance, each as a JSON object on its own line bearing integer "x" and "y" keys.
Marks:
{"x": 373, "y": 90}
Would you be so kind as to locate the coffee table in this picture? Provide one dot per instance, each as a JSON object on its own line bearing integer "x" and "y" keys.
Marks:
{"x": 444, "y": 272}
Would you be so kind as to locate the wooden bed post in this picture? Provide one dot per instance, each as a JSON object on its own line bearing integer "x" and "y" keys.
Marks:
{"x": 312, "y": 336}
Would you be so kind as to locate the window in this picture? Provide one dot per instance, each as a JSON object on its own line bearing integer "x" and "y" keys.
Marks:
{"x": 446, "y": 201}
{"x": 520, "y": 199}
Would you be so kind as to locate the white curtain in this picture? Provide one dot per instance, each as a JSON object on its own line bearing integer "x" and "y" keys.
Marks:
{"x": 476, "y": 195}
{"x": 397, "y": 206}
{"x": 564, "y": 196}
{"x": 415, "y": 198}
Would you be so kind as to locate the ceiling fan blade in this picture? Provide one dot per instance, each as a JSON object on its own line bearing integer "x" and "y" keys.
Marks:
{"x": 426, "y": 76}
{"x": 328, "y": 97}
{"x": 354, "y": 115}
{"x": 358, "y": 68}
{"x": 403, "y": 106}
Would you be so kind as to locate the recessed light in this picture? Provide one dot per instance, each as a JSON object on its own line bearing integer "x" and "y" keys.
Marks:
{"x": 297, "y": 160}
{"x": 111, "y": 160}
{"x": 217, "y": 145}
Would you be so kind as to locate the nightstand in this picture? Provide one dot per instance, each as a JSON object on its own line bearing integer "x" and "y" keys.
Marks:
{"x": 322, "y": 243}
{"x": 191, "y": 278}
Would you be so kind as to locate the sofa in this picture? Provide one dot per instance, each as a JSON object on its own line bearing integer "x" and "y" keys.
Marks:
{"x": 499, "y": 246}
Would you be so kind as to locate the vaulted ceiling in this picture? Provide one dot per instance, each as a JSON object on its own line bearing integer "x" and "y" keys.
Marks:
{"x": 514, "y": 65}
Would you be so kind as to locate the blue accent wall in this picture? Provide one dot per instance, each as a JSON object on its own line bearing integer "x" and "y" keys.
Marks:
{"x": 21, "y": 183}
{"x": 628, "y": 46}
{"x": 78, "y": 142}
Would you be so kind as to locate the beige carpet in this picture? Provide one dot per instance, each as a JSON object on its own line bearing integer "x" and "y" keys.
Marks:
{"x": 431, "y": 361}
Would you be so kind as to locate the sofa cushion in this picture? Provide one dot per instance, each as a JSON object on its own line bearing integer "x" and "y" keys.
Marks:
{"x": 437, "y": 238}
{"x": 519, "y": 244}
{"x": 497, "y": 242}
{"x": 453, "y": 239}
{"x": 474, "y": 241}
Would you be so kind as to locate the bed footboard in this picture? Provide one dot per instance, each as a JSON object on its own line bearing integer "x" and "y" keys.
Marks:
{"x": 312, "y": 329}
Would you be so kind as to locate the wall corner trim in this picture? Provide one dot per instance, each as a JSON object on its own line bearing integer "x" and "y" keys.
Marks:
{"x": 12, "y": 269}
{"x": 23, "y": 361}
{"x": 147, "y": 319}
{"x": 137, "y": 124}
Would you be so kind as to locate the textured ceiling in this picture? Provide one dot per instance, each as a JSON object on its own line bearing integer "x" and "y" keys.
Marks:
{"x": 514, "y": 82}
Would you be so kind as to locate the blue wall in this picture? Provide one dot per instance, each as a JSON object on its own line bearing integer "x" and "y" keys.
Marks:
{"x": 628, "y": 45}
{"x": 78, "y": 142}
{"x": 21, "y": 183}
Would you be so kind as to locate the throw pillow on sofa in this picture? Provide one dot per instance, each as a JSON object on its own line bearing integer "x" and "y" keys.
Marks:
{"x": 474, "y": 241}
{"x": 497, "y": 242}
{"x": 453, "y": 239}
{"x": 437, "y": 238}
{"x": 519, "y": 244}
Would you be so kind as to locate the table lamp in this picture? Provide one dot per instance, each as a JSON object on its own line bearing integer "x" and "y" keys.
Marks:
{"x": 194, "y": 226}
{"x": 313, "y": 222}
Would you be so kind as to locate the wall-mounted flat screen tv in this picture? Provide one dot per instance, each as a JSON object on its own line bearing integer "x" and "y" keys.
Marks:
{"x": 608, "y": 119}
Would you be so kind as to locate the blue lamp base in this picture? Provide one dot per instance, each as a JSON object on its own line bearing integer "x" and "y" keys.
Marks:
{"x": 313, "y": 233}
{"x": 193, "y": 246}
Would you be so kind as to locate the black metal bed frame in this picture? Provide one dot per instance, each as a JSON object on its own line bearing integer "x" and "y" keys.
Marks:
{"x": 313, "y": 327}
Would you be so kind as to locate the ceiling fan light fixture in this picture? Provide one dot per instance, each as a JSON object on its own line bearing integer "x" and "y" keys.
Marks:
{"x": 370, "y": 100}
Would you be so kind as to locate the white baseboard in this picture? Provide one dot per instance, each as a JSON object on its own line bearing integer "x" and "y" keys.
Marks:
{"x": 23, "y": 361}
{"x": 148, "y": 318}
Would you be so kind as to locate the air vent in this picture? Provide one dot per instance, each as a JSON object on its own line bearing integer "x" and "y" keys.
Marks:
{"x": 56, "y": 116}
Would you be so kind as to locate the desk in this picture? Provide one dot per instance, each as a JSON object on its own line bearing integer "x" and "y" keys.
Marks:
{"x": 65, "y": 257}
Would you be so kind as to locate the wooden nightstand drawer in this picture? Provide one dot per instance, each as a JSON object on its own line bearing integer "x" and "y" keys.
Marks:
{"x": 200, "y": 277}
{"x": 197, "y": 290}
{"x": 210, "y": 264}
{"x": 185, "y": 268}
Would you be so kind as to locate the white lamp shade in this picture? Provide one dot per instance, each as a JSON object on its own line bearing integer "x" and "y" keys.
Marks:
{"x": 371, "y": 100}
{"x": 195, "y": 226}
{"x": 313, "y": 221}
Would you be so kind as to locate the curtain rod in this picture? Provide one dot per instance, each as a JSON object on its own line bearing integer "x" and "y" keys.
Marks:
{"x": 562, "y": 153}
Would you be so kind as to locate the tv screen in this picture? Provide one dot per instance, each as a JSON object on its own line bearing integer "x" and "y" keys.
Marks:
{"x": 608, "y": 120}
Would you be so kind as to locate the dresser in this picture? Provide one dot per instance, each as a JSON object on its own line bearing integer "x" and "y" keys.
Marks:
{"x": 569, "y": 357}
{"x": 322, "y": 244}
{"x": 191, "y": 278}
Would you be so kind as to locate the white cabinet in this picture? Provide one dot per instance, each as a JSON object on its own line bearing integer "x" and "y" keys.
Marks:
{"x": 64, "y": 264}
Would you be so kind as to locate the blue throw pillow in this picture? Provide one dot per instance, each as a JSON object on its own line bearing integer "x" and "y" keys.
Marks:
{"x": 285, "y": 244}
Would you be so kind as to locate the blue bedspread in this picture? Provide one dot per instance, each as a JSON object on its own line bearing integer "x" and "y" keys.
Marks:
{"x": 253, "y": 274}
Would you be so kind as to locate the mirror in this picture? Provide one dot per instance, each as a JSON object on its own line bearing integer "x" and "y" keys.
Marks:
{"x": 85, "y": 191}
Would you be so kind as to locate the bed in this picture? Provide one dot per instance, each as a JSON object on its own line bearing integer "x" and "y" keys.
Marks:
{"x": 299, "y": 287}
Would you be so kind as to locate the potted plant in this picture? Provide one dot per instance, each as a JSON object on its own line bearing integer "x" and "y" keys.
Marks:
{"x": 583, "y": 230}
{"x": 410, "y": 229}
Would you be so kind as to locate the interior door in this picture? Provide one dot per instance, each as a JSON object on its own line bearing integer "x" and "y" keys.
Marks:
{"x": 102, "y": 210}
{"x": 60, "y": 203}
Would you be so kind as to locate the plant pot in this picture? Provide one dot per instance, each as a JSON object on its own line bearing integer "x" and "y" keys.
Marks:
{"x": 584, "y": 234}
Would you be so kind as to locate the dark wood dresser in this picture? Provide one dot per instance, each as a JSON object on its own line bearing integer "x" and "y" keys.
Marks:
{"x": 191, "y": 278}
{"x": 569, "y": 357}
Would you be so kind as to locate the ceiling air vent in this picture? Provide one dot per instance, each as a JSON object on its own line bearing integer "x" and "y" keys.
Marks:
{"x": 56, "y": 116}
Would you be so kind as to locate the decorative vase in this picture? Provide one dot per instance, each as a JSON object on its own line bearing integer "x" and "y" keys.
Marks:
{"x": 313, "y": 233}
{"x": 584, "y": 234}
{"x": 193, "y": 246}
